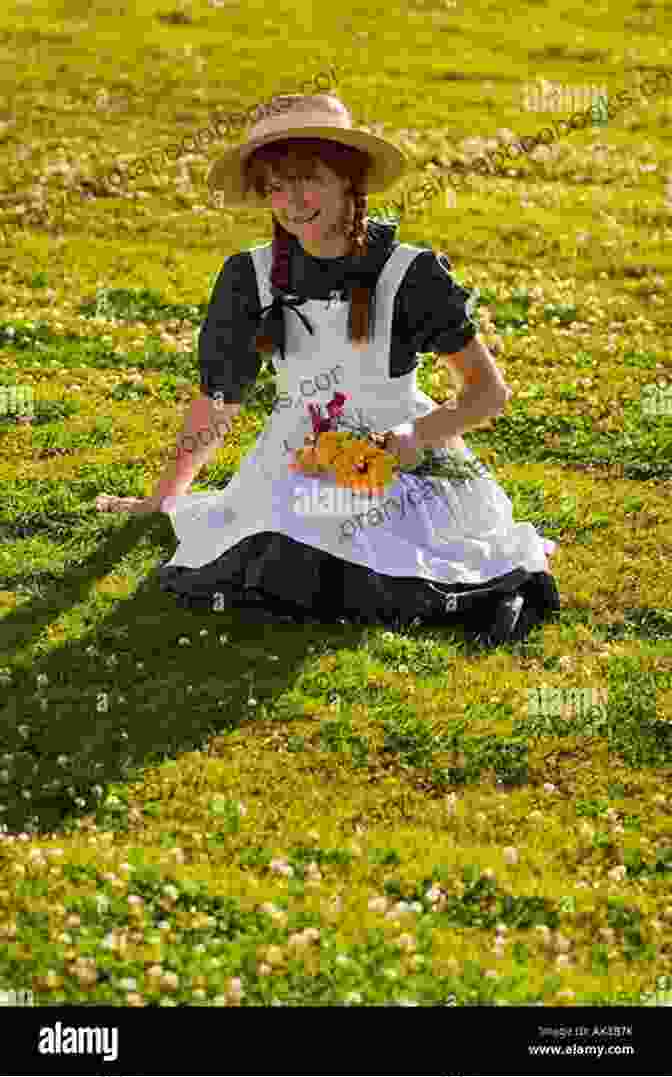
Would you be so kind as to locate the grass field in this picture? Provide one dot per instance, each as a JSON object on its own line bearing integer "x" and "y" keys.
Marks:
{"x": 201, "y": 809}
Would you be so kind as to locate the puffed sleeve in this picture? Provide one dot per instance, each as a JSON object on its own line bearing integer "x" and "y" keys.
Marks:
{"x": 229, "y": 363}
{"x": 434, "y": 312}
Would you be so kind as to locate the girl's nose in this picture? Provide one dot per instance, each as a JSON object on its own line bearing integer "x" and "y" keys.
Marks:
{"x": 297, "y": 196}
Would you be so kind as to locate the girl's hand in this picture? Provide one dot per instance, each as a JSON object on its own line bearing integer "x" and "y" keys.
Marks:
{"x": 139, "y": 505}
{"x": 404, "y": 448}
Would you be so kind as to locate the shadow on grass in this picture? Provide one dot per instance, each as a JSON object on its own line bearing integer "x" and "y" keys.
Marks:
{"x": 99, "y": 719}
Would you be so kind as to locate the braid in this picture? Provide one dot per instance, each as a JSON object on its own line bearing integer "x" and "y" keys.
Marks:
{"x": 358, "y": 316}
{"x": 279, "y": 275}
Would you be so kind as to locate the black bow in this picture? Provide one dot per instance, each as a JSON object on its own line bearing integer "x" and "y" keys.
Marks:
{"x": 362, "y": 273}
{"x": 270, "y": 319}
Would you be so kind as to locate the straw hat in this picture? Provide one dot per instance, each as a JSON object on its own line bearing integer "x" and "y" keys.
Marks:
{"x": 320, "y": 116}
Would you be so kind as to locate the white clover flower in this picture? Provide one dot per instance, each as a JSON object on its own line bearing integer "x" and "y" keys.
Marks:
{"x": 618, "y": 873}
{"x": 62, "y": 760}
{"x": 24, "y": 730}
{"x": 404, "y": 906}
{"x": 42, "y": 680}
{"x": 281, "y": 867}
{"x": 511, "y": 855}
{"x": 549, "y": 787}
{"x": 184, "y": 642}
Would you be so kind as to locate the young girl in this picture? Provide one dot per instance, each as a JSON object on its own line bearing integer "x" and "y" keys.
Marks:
{"x": 342, "y": 307}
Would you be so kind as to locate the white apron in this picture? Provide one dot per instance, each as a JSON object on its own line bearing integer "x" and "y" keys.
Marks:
{"x": 465, "y": 535}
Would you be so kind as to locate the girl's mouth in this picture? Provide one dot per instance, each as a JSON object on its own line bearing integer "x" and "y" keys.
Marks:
{"x": 309, "y": 220}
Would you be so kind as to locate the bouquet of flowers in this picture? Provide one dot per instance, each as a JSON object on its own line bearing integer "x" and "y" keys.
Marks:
{"x": 359, "y": 459}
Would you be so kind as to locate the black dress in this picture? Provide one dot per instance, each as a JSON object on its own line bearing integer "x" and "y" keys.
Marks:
{"x": 284, "y": 579}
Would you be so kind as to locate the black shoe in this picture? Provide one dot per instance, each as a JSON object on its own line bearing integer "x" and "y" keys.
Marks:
{"x": 505, "y": 622}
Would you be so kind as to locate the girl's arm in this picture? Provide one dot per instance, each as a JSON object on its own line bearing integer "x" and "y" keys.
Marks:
{"x": 206, "y": 425}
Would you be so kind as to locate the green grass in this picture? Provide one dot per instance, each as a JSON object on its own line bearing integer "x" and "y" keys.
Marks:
{"x": 243, "y": 783}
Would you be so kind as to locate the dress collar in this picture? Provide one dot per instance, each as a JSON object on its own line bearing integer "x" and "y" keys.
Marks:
{"x": 357, "y": 273}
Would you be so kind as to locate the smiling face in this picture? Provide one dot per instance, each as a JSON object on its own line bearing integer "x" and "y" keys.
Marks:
{"x": 316, "y": 209}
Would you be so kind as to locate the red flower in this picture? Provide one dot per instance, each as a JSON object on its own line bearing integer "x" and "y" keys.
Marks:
{"x": 334, "y": 409}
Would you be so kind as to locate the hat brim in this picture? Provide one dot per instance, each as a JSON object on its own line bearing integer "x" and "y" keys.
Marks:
{"x": 388, "y": 163}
